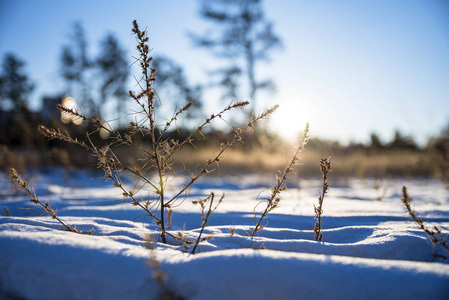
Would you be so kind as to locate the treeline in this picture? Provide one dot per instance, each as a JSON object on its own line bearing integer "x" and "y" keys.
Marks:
{"x": 98, "y": 84}
{"x": 399, "y": 142}
{"x": 242, "y": 39}
{"x": 401, "y": 156}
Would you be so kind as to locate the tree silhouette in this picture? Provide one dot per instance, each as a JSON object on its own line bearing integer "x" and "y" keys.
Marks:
{"x": 171, "y": 80}
{"x": 244, "y": 37}
{"x": 15, "y": 86}
{"x": 445, "y": 132}
{"x": 376, "y": 144}
{"x": 401, "y": 142}
{"x": 230, "y": 81}
{"x": 75, "y": 66}
{"x": 114, "y": 72}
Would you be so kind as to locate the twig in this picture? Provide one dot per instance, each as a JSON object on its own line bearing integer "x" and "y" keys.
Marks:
{"x": 205, "y": 216}
{"x": 23, "y": 185}
{"x": 436, "y": 236}
{"x": 325, "y": 167}
{"x": 152, "y": 171}
{"x": 274, "y": 199}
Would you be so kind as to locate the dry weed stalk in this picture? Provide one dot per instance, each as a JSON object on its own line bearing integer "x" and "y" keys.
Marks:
{"x": 9, "y": 159}
{"x": 379, "y": 185}
{"x": 274, "y": 198}
{"x": 154, "y": 170}
{"x": 205, "y": 215}
{"x": 436, "y": 236}
{"x": 260, "y": 246}
{"x": 158, "y": 275}
{"x": 325, "y": 167}
{"x": 23, "y": 185}
{"x": 169, "y": 218}
{"x": 185, "y": 242}
{"x": 231, "y": 229}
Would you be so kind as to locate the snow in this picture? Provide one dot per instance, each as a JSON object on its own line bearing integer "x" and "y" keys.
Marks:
{"x": 370, "y": 248}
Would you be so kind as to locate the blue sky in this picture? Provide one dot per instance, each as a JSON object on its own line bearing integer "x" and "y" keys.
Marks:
{"x": 348, "y": 67}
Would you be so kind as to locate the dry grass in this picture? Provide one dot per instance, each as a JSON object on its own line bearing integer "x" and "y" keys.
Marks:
{"x": 325, "y": 168}
{"x": 404, "y": 163}
{"x": 254, "y": 159}
{"x": 205, "y": 214}
{"x": 435, "y": 234}
{"x": 274, "y": 198}
{"x": 358, "y": 164}
{"x": 24, "y": 186}
{"x": 236, "y": 160}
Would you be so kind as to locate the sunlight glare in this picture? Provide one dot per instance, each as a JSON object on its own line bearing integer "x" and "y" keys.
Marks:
{"x": 70, "y": 103}
{"x": 104, "y": 134}
{"x": 290, "y": 119}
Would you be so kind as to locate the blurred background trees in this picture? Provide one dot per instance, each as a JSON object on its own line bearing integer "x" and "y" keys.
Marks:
{"x": 113, "y": 69}
{"x": 15, "y": 118}
{"x": 244, "y": 38}
{"x": 75, "y": 68}
{"x": 172, "y": 84}
{"x": 15, "y": 86}
{"x": 108, "y": 73}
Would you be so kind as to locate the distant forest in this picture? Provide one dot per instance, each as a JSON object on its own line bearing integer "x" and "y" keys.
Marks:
{"x": 102, "y": 81}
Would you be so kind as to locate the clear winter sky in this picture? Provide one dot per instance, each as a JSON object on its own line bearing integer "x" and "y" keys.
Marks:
{"x": 348, "y": 67}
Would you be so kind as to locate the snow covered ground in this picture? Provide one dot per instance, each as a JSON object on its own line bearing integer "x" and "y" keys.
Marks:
{"x": 370, "y": 248}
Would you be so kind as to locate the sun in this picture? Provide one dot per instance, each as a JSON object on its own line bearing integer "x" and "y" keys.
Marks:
{"x": 290, "y": 119}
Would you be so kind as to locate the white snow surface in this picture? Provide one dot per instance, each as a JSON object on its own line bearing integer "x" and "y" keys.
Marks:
{"x": 370, "y": 248}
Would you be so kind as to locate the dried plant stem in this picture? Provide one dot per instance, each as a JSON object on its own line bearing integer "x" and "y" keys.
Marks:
{"x": 107, "y": 161}
{"x": 199, "y": 129}
{"x": 274, "y": 199}
{"x": 161, "y": 196}
{"x": 148, "y": 74}
{"x": 325, "y": 166}
{"x": 23, "y": 185}
{"x": 435, "y": 236}
{"x": 158, "y": 275}
{"x": 223, "y": 147}
{"x": 205, "y": 216}
{"x": 154, "y": 169}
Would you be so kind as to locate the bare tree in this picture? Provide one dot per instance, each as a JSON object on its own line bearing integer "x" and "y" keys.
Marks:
{"x": 15, "y": 86}
{"x": 114, "y": 73}
{"x": 75, "y": 67}
{"x": 244, "y": 37}
{"x": 401, "y": 142}
{"x": 172, "y": 82}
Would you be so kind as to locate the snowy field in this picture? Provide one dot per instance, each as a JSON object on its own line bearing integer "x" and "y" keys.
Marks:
{"x": 370, "y": 248}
